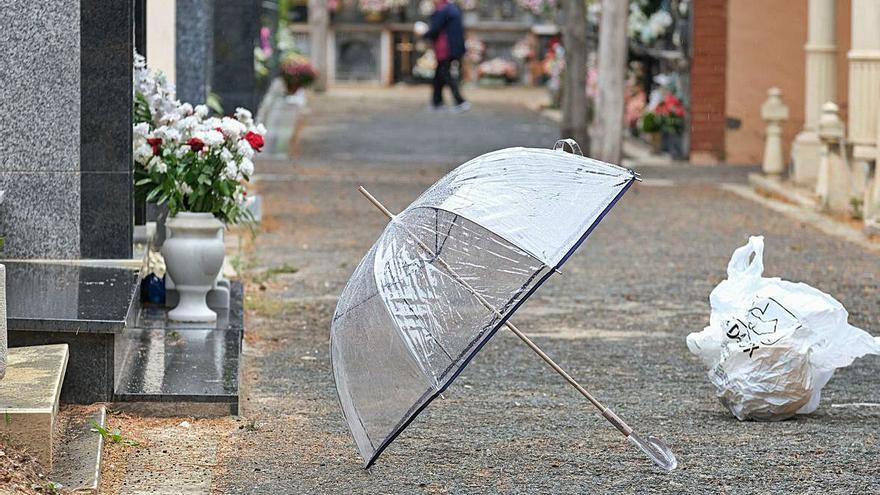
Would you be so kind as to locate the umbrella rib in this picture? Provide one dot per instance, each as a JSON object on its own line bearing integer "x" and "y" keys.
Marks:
{"x": 609, "y": 415}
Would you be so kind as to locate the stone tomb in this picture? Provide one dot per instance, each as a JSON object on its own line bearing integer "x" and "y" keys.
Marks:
{"x": 119, "y": 350}
{"x": 82, "y": 306}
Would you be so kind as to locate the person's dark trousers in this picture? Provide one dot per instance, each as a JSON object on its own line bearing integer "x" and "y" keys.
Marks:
{"x": 443, "y": 77}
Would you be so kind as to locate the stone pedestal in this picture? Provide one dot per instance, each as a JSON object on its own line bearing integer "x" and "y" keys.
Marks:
{"x": 774, "y": 112}
{"x": 833, "y": 185}
{"x": 821, "y": 87}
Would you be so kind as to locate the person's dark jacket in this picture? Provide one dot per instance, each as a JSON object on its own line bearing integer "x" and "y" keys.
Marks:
{"x": 448, "y": 20}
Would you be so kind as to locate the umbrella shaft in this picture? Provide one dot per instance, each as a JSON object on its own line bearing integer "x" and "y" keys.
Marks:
{"x": 547, "y": 359}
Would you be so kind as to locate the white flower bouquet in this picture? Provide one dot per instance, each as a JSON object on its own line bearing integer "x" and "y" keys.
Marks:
{"x": 196, "y": 163}
{"x": 186, "y": 159}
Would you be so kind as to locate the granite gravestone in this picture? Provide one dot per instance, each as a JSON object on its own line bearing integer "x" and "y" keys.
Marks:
{"x": 236, "y": 32}
{"x": 194, "y": 51}
{"x": 65, "y": 158}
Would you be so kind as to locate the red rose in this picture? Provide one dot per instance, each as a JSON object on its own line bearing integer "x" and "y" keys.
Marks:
{"x": 196, "y": 144}
{"x": 154, "y": 143}
{"x": 255, "y": 140}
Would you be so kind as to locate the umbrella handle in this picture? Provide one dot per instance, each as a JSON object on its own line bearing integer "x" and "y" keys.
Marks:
{"x": 652, "y": 446}
{"x": 656, "y": 449}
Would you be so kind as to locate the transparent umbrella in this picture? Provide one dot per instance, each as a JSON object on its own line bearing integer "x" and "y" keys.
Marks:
{"x": 450, "y": 270}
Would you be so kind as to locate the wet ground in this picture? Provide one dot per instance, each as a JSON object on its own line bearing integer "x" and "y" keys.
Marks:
{"x": 616, "y": 319}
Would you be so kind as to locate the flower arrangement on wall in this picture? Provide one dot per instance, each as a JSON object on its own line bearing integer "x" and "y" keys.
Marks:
{"x": 187, "y": 159}
{"x": 380, "y": 6}
{"x": 538, "y": 7}
{"x": 665, "y": 116}
{"x": 297, "y": 72}
{"x": 497, "y": 69}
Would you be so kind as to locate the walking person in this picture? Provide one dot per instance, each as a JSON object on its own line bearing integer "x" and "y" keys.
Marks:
{"x": 447, "y": 34}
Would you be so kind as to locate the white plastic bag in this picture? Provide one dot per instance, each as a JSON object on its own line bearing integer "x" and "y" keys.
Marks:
{"x": 772, "y": 345}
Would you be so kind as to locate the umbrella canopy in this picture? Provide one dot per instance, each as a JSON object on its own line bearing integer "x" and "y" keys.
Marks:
{"x": 417, "y": 308}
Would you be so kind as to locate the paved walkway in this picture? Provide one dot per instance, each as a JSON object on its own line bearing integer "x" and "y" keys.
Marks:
{"x": 616, "y": 320}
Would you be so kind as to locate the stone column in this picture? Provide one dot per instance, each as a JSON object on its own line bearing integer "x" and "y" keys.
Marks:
{"x": 319, "y": 21}
{"x": 821, "y": 87}
{"x": 864, "y": 89}
{"x": 774, "y": 112}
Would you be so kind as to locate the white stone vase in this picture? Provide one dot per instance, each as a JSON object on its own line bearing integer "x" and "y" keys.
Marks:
{"x": 193, "y": 257}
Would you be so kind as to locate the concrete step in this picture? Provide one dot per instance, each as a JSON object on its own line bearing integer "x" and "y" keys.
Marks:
{"x": 77, "y": 463}
{"x": 29, "y": 395}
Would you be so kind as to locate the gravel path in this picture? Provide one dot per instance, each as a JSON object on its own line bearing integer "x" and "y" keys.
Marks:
{"x": 616, "y": 319}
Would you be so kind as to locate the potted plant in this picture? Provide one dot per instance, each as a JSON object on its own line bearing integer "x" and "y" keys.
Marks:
{"x": 297, "y": 72}
{"x": 199, "y": 167}
{"x": 651, "y": 127}
{"x": 664, "y": 122}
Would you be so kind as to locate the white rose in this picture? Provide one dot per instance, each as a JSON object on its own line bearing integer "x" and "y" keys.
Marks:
{"x": 143, "y": 153}
{"x": 183, "y": 150}
{"x": 243, "y": 114}
{"x": 226, "y": 155}
{"x": 186, "y": 109}
{"x": 159, "y": 166}
{"x": 201, "y": 111}
{"x": 231, "y": 171}
{"x": 188, "y": 123}
{"x": 244, "y": 149}
{"x": 261, "y": 129}
{"x": 247, "y": 167}
{"x": 212, "y": 138}
{"x": 232, "y": 127}
{"x": 141, "y": 129}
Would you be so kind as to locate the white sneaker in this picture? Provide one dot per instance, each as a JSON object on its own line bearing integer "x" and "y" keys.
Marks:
{"x": 461, "y": 107}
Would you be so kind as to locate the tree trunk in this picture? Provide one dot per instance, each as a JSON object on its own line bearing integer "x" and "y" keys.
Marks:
{"x": 574, "y": 84}
{"x": 319, "y": 21}
{"x": 612, "y": 71}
